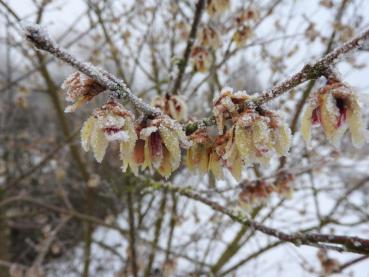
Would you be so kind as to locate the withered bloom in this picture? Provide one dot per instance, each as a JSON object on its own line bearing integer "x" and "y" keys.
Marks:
{"x": 79, "y": 89}
{"x": 159, "y": 146}
{"x": 283, "y": 185}
{"x": 241, "y": 35}
{"x": 111, "y": 122}
{"x": 225, "y": 105}
{"x": 197, "y": 156}
{"x": 254, "y": 194}
{"x": 200, "y": 58}
{"x": 209, "y": 37}
{"x": 216, "y": 7}
{"x": 172, "y": 105}
{"x": 336, "y": 108}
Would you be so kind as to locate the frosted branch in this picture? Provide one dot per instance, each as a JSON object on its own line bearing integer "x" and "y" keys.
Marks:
{"x": 41, "y": 40}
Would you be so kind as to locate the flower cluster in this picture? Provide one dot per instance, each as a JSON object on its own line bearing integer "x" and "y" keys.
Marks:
{"x": 79, "y": 89}
{"x": 154, "y": 144}
{"x": 336, "y": 108}
{"x": 172, "y": 105}
{"x": 253, "y": 137}
{"x": 254, "y": 193}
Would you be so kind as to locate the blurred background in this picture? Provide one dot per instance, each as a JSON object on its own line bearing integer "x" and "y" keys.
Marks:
{"x": 63, "y": 214}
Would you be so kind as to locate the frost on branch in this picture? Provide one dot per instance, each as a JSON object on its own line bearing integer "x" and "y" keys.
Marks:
{"x": 172, "y": 105}
{"x": 111, "y": 122}
{"x": 336, "y": 108}
{"x": 79, "y": 89}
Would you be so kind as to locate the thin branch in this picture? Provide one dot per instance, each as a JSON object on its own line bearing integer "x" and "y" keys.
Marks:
{"x": 339, "y": 242}
{"x": 191, "y": 39}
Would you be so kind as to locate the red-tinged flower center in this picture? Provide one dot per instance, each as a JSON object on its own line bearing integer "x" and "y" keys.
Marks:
{"x": 342, "y": 108}
{"x": 111, "y": 130}
{"x": 155, "y": 145}
{"x": 315, "y": 117}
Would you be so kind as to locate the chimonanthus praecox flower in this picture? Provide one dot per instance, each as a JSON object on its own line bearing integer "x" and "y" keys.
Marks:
{"x": 209, "y": 37}
{"x": 172, "y": 105}
{"x": 258, "y": 136}
{"x": 201, "y": 58}
{"x": 216, "y": 7}
{"x": 254, "y": 194}
{"x": 197, "y": 156}
{"x": 225, "y": 105}
{"x": 79, "y": 89}
{"x": 111, "y": 122}
{"x": 336, "y": 108}
{"x": 241, "y": 35}
{"x": 159, "y": 145}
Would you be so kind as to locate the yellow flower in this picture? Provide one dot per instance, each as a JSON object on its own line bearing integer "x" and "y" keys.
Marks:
{"x": 216, "y": 7}
{"x": 200, "y": 58}
{"x": 209, "y": 37}
{"x": 160, "y": 145}
{"x": 111, "y": 122}
{"x": 197, "y": 156}
{"x": 172, "y": 105}
{"x": 336, "y": 108}
{"x": 242, "y": 35}
{"x": 80, "y": 89}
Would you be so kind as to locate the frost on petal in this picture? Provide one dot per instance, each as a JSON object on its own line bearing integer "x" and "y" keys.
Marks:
{"x": 127, "y": 148}
{"x": 99, "y": 143}
{"x": 172, "y": 144}
{"x": 262, "y": 141}
{"x": 236, "y": 167}
{"x": 243, "y": 141}
{"x": 215, "y": 165}
{"x": 165, "y": 168}
{"x": 329, "y": 115}
{"x": 356, "y": 124}
{"x": 306, "y": 124}
{"x": 76, "y": 105}
{"x": 86, "y": 132}
{"x": 282, "y": 139}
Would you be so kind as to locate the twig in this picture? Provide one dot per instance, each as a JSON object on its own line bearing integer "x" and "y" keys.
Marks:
{"x": 41, "y": 40}
{"x": 340, "y": 243}
{"x": 191, "y": 39}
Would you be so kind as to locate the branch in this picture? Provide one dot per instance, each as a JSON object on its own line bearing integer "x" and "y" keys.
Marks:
{"x": 41, "y": 40}
{"x": 310, "y": 71}
{"x": 338, "y": 242}
{"x": 191, "y": 39}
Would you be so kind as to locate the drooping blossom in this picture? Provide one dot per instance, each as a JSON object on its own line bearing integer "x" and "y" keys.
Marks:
{"x": 209, "y": 37}
{"x": 172, "y": 105}
{"x": 111, "y": 122}
{"x": 201, "y": 58}
{"x": 249, "y": 14}
{"x": 79, "y": 89}
{"x": 216, "y": 7}
{"x": 242, "y": 35}
{"x": 159, "y": 145}
{"x": 336, "y": 108}
{"x": 254, "y": 193}
{"x": 197, "y": 156}
{"x": 259, "y": 136}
